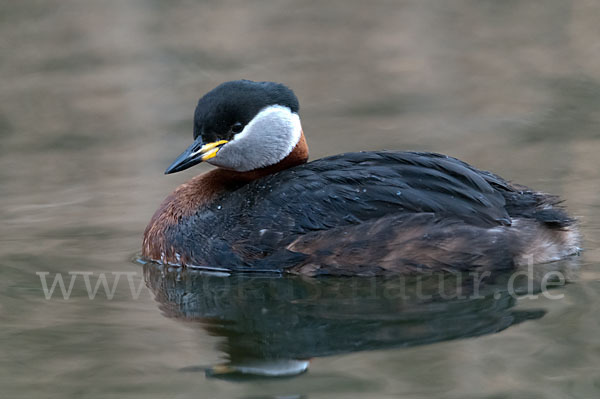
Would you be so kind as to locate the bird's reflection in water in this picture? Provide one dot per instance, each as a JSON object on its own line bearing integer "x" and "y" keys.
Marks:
{"x": 272, "y": 325}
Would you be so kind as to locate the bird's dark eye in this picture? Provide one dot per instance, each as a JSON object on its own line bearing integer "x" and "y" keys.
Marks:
{"x": 237, "y": 127}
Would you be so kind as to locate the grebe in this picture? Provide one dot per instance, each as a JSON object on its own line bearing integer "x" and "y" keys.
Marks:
{"x": 367, "y": 213}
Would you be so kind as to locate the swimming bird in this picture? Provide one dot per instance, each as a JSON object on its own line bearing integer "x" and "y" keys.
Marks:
{"x": 265, "y": 208}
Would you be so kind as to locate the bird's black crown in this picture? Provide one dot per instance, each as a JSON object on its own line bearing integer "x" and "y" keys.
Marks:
{"x": 225, "y": 110}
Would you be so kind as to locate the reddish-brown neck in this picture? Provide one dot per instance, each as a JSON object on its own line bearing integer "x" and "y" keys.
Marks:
{"x": 200, "y": 191}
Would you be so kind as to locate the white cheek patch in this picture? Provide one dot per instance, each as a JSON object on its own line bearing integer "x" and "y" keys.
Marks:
{"x": 267, "y": 139}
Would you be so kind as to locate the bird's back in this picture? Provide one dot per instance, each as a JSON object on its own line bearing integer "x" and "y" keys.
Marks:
{"x": 371, "y": 204}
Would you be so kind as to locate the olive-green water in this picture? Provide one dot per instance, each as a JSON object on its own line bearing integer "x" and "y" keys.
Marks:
{"x": 97, "y": 98}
